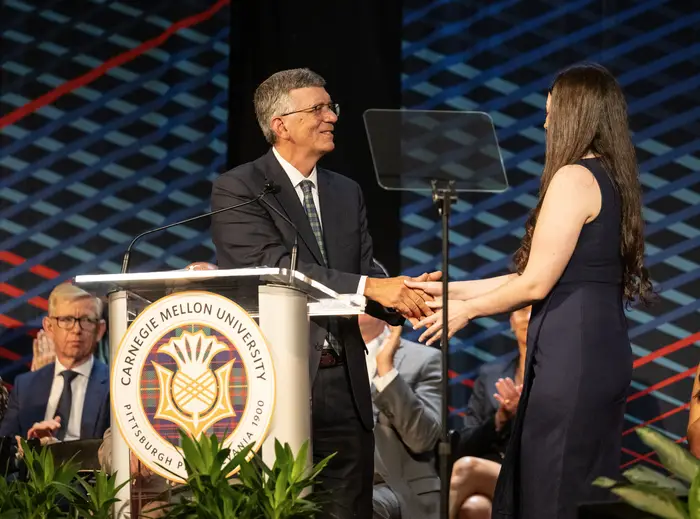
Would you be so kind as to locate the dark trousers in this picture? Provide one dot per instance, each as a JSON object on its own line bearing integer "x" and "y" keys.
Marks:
{"x": 346, "y": 482}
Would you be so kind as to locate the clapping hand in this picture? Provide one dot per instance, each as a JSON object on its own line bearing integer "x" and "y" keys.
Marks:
{"x": 47, "y": 428}
{"x": 385, "y": 357}
{"x": 43, "y": 351}
{"x": 508, "y": 397}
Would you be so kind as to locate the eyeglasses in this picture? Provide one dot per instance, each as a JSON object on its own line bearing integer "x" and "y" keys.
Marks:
{"x": 317, "y": 109}
{"x": 68, "y": 322}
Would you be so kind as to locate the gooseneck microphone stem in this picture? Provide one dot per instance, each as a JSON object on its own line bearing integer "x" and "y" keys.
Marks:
{"x": 270, "y": 187}
{"x": 295, "y": 248}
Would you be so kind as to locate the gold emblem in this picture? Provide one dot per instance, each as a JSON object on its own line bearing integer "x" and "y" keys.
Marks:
{"x": 195, "y": 397}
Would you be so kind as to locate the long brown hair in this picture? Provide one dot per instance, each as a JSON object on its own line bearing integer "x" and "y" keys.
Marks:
{"x": 588, "y": 113}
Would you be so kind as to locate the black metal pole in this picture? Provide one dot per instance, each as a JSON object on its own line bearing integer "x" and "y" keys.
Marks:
{"x": 445, "y": 449}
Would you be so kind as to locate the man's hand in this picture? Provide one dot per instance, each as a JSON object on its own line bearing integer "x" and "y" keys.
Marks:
{"x": 385, "y": 357}
{"x": 43, "y": 351}
{"x": 393, "y": 293}
{"x": 45, "y": 428}
{"x": 508, "y": 396}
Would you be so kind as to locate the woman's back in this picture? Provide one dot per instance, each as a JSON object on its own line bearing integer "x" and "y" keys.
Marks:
{"x": 596, "y": 257}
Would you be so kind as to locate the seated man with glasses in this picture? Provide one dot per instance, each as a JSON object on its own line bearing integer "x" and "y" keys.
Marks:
{"x": 69, "y": 398}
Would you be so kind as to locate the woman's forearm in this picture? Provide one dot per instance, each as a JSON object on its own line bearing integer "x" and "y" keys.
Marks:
{"x": 468, "y": 289}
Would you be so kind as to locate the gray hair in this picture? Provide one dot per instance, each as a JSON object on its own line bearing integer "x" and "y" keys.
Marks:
{"x": 272, "y": 99}
{"x": 70, "y": 292}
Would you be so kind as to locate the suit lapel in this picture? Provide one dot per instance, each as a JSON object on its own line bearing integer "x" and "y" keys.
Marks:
{"x": 288, "y": 202}
{"x": 326, "y": 199}
{"x": 42, "y": 383}
{"x": 97, "y": 387}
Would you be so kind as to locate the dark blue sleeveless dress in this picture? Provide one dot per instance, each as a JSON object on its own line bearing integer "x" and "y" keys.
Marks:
{"x": 568, "y": 427}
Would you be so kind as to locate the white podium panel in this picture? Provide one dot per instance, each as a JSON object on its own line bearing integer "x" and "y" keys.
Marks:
{"x": 187, "y": 376}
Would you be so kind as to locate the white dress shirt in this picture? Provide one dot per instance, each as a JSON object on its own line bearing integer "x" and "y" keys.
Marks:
{"x": 296, "y": 177}
{"x": 373, "y": 348}
{"x": 79, "y": 386}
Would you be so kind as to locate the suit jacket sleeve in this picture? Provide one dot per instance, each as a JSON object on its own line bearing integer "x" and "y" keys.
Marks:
{"x": 415, "y": 413}
{"x": 479, "y": 433}
{"x": 248, "y": 237}
{"x": 10, "y": 424}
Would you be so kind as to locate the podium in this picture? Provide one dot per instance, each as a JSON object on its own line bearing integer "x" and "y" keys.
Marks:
{"x": 167, "y": 332}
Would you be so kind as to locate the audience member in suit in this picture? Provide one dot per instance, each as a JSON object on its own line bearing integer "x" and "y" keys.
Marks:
{"x": 484, "y": 438}
{"x": 69, "y": 398}
{"x": 694, "y": 417}
{"x": 297, "y": 117}
{"x": 405, "y": 379}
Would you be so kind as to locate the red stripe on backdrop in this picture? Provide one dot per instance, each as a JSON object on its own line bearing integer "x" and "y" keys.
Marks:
{"x": 656, "y": 419}
{"x": 667, "y": 349}
{"x": 662, "y": 384}
{"x": 9, "y": 322}
{"x": 639, "y": 457}
{"x": 466, "y": 382}
{"x": 116, "y": 61}
{"x": 39, "y": 270}
{"x": 645, "y": 457}
{"x": 7, "y": 354}
{"x": 12, "y": 291}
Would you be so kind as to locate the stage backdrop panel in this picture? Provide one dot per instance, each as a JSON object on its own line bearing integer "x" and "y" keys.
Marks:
{"x": 113, "y": 118}
{"x": 500, "y": 57}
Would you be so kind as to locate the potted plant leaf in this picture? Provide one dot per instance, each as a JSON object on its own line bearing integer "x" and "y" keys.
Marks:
{"x": 278, "y": 492}
{"x": 670, "y": 497}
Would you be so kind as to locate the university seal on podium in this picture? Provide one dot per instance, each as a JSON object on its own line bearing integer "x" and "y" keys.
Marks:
{"x": 192, "y": 361}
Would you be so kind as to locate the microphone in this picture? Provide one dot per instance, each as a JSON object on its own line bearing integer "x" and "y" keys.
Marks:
{"x": 270, "y": 188}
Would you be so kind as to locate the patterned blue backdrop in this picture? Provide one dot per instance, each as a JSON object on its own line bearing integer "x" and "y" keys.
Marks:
{"x": 113, "y": 120}
{"x": 499, "y": 57}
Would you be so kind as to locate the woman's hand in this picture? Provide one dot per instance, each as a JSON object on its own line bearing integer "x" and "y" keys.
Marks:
{"x": 459, "y": 316}
{"x": 432, "y": 288}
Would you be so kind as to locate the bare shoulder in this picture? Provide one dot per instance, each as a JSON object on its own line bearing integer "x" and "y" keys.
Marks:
{"x": 574, "y": 176}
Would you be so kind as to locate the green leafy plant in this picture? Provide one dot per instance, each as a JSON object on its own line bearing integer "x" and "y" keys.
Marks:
{"x": 282, "y": 491}
{"x": 99, "y": 497}
{"x": 258, "y": 491}
{"x": 656, "y": 493}
{"x": 52, "y": 492}
{"x": 46, "y": 487}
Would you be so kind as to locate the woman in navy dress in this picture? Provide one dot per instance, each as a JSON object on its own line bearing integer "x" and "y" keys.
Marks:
{"x": 581, "y": 259}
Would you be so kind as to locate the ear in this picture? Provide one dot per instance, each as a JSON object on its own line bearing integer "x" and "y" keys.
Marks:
{"x": 101, "y": 329}
{"x": 279, "y": 128}
{"x": 48, "y": 324}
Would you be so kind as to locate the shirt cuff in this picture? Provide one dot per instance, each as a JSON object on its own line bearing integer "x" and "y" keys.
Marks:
{"x": 361, "y": 285}
{"x": 380, "y": 383}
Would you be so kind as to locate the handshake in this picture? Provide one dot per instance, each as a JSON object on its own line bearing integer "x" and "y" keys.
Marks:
{"x": 394, "y": 293}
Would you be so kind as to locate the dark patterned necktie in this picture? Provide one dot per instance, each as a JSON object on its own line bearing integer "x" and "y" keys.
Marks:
{"x": 315, "y": 221}
{"x": 65, "y": 402}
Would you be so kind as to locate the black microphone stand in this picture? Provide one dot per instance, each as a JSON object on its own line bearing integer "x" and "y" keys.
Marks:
{"x": 444, "y": 195}
{"x": 269, "y": 188}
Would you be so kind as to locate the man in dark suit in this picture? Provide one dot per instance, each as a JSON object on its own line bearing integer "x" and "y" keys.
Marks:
{"x": 297, "y": 117}
{"x": 69, "y": 398}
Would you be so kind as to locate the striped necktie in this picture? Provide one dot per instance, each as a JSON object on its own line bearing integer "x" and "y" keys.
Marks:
{"x": 315, "y": 221}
